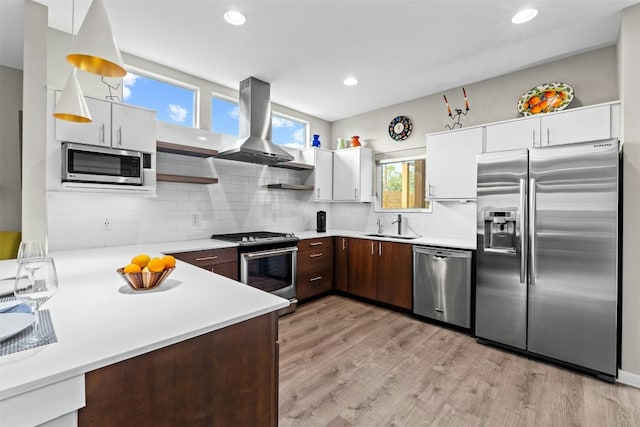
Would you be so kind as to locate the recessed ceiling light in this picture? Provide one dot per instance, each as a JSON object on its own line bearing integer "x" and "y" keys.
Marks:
{"x": 524, "y": 15}
{"x": 350, "y": 81}
{"x": 234, "y": 17}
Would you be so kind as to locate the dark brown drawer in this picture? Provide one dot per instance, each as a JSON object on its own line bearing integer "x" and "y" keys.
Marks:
{"x": 321, "y": 242}
{"x": 209, "y": 257}
{"x": 309, "y": 285}
{"x": 315, "y": 260}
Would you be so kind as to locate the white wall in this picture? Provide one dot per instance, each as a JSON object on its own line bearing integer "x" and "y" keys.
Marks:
{"x": 10, "y": 187}
{"x": 629, "y": 64}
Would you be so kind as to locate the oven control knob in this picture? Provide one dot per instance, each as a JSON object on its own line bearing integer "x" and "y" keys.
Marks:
{"x": 244, "y": 239}
{"x": 252, "y": 239}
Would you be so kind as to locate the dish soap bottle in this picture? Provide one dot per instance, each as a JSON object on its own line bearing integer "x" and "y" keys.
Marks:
{"x": 316, "y": 141}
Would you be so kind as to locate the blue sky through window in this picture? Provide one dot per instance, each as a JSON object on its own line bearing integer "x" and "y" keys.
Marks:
{"x": 284, "y": 131}
{"x": 173, "y": 104}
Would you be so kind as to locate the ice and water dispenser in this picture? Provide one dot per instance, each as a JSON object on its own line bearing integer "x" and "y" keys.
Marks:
{"x": 500, "y": 231}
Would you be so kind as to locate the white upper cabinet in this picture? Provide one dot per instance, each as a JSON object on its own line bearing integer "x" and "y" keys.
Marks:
{"x": 524, "y": 133}
{"x": 322, "y": 176}
{"x": 353, "y": 175}
{"x": 114, "y": 125}
{"x": 585, "y": 124}
{"x": 564, "y": 127}
{"x": 133, "y": 128}
{"x": 96, "y": 132}
{"x": 451, "y": 163}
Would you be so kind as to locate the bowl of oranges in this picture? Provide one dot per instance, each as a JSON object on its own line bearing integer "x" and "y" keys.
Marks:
{"x": 545, "y": 98}
{"x": 144, "y": 272}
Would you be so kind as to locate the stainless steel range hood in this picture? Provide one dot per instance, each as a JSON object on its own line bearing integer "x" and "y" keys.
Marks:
{"x": 254, "y": 145}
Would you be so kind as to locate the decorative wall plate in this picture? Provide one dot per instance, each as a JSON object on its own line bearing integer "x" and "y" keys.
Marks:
{"x": 400, "y": 128}
{"x": 545, "y": 98}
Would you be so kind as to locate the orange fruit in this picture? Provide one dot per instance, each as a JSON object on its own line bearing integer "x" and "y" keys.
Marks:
{"x": 536, "y": 109}
{"x": 550, "y": 94}
{"x": 132, "y": 268}
{"x": 142, "y": 260}
{"x": 534, "y": 100}
{"x": 169, "y": 261}
{"x": 543, "y": 105}
{"x": 156, "y": 265}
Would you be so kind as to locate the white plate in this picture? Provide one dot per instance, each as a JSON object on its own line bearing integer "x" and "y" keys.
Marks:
{"x": 12, "y": 323}
{"x": 6, "y": 287}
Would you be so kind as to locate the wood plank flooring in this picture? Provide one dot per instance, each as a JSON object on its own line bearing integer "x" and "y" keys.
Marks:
{"x": 347, "y": 363}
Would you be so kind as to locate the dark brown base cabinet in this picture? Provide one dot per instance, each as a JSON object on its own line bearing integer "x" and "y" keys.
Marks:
{"x": 221, "y": 261}
{"x": 341, "y": 264}
{"x": 314, "y": 274}
{"x": 227, "y": 377}
{"x": 380, "y": 271}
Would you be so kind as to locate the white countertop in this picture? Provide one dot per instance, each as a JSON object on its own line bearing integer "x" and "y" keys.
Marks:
{"x": 99, "y": 320}
{"x": 422, "y": 240}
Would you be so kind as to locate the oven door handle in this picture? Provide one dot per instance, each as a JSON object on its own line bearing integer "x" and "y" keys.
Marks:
{"x": 262, "y": 254}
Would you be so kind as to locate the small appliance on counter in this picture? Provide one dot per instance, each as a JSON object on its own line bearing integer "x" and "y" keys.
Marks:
{"x": 321, "y": 221}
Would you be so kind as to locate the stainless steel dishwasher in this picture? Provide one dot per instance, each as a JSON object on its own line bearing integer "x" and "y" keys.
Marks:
{"x": 442, "y": 284}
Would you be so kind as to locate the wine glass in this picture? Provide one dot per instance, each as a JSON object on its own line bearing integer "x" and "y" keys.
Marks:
{"x": 35, "y": 288}
{"x": 30, "y": 249}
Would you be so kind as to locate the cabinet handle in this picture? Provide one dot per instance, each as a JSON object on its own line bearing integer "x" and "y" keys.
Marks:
{"x": 315, "y": 244}
{"x": 430, "y": 190}
{"x": 315, "y": 255}
{"x": 101, "y": 134}
{"x": 371, "y": 248}
{"x": 206, "y": 258}
{"x": 120, "y": 135}
{"x": 343, "y": 243}
{"x": 547, "y": 137}
{"x": 379, "y": 248}
{"x": 355, "y": 193}
{"x": 533, "y": 137}
{"x": 315, "y": 279}
{"x": 318, "y": 193}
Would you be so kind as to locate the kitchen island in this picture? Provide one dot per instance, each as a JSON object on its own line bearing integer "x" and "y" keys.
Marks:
{"x": 183, "y": 342}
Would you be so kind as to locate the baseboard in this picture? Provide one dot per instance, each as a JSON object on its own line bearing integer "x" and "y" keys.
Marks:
{"x": 629, "y": 378}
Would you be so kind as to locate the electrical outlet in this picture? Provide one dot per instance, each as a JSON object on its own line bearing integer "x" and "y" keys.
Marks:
{"x": 195, "y": 220}
{"x": 106, "y": 224}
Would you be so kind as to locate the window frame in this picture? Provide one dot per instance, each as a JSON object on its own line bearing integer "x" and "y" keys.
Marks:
{"x": 171, "y": 81}
{"x": 223, "y": 98}
{"x": 380, "y": 176}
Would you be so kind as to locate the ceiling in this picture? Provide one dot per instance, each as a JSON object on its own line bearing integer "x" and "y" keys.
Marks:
{"x": 398, "y": 49}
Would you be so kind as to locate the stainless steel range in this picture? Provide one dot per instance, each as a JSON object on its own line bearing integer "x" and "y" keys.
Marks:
{"x": 268, "y": 262}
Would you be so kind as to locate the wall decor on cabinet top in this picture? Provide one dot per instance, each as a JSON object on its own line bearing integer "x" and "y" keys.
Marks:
{"x": 400, "y": 128}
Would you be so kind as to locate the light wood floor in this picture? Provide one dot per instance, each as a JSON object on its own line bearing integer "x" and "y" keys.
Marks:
{"x": 346, "y": 363}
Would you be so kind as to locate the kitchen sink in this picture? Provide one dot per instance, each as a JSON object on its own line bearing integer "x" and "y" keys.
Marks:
{"x": 392, "y": 236}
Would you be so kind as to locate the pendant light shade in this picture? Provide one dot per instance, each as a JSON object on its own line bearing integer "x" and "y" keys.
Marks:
{"x": 95, "y": 50}
{"x": 71, "y": 105}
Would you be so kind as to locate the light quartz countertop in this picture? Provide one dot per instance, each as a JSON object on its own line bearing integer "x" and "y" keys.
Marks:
{"x": 421, "y": 240}
{"x": 99, "y": 320}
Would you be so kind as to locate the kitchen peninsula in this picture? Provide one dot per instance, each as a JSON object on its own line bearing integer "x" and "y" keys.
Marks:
{"x": 200, "y": 348}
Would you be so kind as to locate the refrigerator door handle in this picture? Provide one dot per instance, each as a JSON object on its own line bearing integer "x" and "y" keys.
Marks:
{"x": 523, "y": 232}
{"x": 532, "y": 230}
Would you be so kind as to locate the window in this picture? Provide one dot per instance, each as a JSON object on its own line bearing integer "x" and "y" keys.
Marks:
{"x": 289, "y": 132}
{"x": 401, "y": 184}
{"x": 285, "y": 130}
{"x": 224, "y": 116}
{"x": 174, "y": 102}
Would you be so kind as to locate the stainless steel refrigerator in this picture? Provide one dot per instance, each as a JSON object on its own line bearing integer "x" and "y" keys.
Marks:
{"x": 547, "y": 255}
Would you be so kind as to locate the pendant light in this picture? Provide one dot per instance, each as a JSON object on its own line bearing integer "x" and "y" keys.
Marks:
{"x": 95, "y": 50}
{"x": 72, "y": 106}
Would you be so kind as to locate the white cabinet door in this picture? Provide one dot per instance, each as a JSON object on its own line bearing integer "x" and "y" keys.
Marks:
{"x": 524, "y": 133}
{"x": 133, "y": 128}
{"x": 96, "y": 132}
{"x": 451, "y": 163}
{"x": 567, "y": 127}
{"x": 353, "y": 174}
{"x": 322, "y": 176}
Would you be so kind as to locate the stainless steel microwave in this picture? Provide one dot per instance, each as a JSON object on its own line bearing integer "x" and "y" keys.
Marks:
{"x": 93, "y": 164}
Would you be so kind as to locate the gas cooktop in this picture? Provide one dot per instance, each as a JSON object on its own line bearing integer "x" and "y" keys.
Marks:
{"x": 253, "y": 238}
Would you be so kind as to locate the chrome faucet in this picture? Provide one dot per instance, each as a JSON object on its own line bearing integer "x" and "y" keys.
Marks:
{"x": 379, "y": 226}
{"x": 399, "y": 221}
